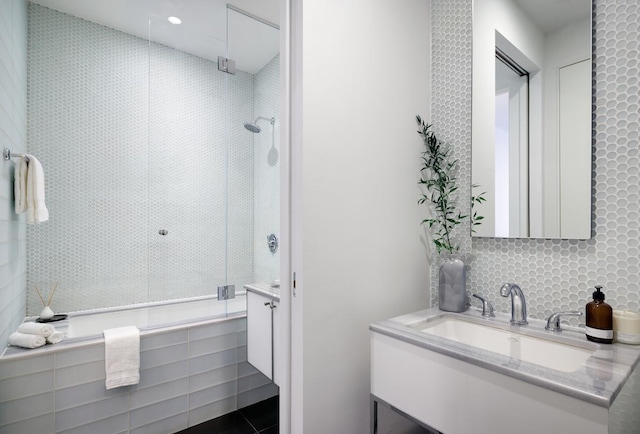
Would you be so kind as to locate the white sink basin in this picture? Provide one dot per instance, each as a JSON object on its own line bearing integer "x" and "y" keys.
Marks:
{"x": 548, "y": 353}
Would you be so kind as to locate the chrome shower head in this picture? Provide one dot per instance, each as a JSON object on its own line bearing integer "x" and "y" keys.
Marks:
{"x": 253, "y": 126}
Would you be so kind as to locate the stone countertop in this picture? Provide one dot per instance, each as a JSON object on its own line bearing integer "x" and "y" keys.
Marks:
{"x": 598, "y": 380}
{"x": 264, "y": 289}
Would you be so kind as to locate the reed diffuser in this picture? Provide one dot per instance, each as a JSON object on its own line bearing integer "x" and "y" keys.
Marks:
{"x": 46, "y": 312}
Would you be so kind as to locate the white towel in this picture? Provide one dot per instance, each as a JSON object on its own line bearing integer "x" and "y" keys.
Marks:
{"x": 55, "y": 337}
{"x": 34, "y": 328}
{"x": 36, "y": 209}
{"x": 122, "y": 356}
{"x": 26, "y": 340}
{"x": 20, "y": 186}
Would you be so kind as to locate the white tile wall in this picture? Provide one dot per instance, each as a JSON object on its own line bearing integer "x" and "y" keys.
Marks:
{"x": 133, "y": 140}
{"x": 267, "y": 171}
{"x": 13, "y": 133}
{"x": 185, "y": 379}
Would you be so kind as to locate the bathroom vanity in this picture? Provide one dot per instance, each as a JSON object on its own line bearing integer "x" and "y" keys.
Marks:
{"x": 459, "y": 373}
{"x": 262, "y": 327}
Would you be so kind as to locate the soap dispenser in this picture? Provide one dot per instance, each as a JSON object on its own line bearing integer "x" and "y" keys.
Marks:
{"x": 599, "y": 319}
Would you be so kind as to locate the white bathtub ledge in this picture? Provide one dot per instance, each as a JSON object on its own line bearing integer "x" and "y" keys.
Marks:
{"x": 15, "y": 353}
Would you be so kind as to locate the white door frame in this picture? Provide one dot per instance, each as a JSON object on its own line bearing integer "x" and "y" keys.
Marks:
{"x": 290, "y": 339}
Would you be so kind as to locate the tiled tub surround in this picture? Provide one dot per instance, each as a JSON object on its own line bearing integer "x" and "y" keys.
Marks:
{"x": 189, "y": 373}
{"x": 607, "y": 379}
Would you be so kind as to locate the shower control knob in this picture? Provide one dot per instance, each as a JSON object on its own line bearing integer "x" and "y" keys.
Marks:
{"x": 272, "y": 242}
{"x": 163, "y": 232}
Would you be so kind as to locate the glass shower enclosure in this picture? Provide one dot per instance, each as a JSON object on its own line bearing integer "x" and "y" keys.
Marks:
{"x": 157, "y": 191}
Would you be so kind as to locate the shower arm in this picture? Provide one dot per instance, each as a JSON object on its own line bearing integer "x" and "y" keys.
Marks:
{"x": 272, "y": 121}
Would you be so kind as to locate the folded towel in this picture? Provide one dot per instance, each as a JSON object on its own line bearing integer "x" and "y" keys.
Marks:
{"x": 20, "y": 186}
{"x": 122, "y": 356}
{"x": 26, "y": 340}
{"x": 36, "y": 209}
{"x": 34, "y": 328}
{"x": 55, "y": 337}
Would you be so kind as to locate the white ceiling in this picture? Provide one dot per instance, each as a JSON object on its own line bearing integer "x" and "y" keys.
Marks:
{"x": 203, "y": 31}
{"x": 552, "y": 15}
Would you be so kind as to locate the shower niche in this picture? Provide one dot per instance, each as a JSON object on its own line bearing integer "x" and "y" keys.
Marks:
{"x": 153, "y": 181}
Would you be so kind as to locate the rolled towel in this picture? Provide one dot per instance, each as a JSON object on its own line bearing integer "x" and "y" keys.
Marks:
{"x": 25, "y": 340}
{"x": 55, "y": 337}
{"x": 34, "y": 328}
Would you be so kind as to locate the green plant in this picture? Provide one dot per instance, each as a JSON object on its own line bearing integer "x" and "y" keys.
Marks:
{"x": 476, "y": 199}
{"x": 438, "y": 176}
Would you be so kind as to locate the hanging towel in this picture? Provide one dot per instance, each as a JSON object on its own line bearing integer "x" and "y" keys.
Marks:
{"x": 36, "y": 209}
{"x": 122, "y": 356}
{"x": 55, "y": 337}
{"x": 34, "y": 328}
{"x": 20, "y": 186}
{"x": 26, "y": 340}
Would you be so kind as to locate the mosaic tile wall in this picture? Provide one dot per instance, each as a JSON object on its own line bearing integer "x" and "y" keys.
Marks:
{"x": 13, "y": 134}
{"x": 130, "y": 171}
{"x": 556, "y": 274}
{"x": 267, "y": 171}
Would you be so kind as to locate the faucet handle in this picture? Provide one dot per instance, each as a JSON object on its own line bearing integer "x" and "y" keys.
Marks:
{"x": 553, "y": 322}
{"x": 487, "y": 307}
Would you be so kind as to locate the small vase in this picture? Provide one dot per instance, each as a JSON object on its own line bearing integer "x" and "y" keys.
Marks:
{"x": 46, "y": 313}
{"x": 452, "y": 286}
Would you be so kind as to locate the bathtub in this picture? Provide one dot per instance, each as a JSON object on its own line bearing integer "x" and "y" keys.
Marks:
{"x": 192, "y": 368}
{"x": 149, "y": 316}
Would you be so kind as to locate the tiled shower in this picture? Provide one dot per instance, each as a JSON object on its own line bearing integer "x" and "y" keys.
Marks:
{"x": 163, "y": 149}
{"x": 135, "y": 138}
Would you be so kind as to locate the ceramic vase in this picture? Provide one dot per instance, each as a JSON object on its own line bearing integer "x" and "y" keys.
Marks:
{"x": 46, "y": 313}
{"x": 452, "y": 286}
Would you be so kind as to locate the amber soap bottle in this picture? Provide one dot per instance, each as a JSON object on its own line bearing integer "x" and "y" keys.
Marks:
{"x": 599, "y": 319}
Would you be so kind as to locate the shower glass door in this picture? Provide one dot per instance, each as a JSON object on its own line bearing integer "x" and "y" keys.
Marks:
{"x": 188, "y": 166}
{"x": 254, "y": 157}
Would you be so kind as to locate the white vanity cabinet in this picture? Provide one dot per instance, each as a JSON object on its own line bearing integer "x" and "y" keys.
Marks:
{"x": 465, "y": 384}
{"x": 456, "y": 397}
{"x": 262, "y": 329}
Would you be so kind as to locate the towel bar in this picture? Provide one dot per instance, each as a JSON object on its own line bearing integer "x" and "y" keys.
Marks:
{"x": 7, "y": 155}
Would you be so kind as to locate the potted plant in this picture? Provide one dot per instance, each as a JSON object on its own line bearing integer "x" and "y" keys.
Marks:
{"x": 438, "y": 176}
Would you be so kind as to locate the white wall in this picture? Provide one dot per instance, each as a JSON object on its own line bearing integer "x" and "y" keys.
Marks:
{"x": 13, "y": 135}
{"x": 365, "y": 75}
{"x": 564, "y": 47}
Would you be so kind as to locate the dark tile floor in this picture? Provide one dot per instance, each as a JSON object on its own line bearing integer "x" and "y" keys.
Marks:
{"x": 261, "y": 418}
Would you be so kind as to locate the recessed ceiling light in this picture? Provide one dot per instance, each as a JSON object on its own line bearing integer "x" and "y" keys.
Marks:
{"x": 174, "y": 20}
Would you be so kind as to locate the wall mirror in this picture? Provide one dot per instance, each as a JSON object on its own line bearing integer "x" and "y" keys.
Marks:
{"x": 531, "y": 118}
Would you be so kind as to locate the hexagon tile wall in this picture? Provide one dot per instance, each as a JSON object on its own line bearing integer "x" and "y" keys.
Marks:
{"x": 162, "y": 146}
{"x": 557, "y": 274}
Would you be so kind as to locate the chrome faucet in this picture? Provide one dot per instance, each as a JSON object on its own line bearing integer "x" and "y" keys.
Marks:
{"x": 518, "y": 303}
{"x": 553, "y": 322}
{"x": 487, "y": 307}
